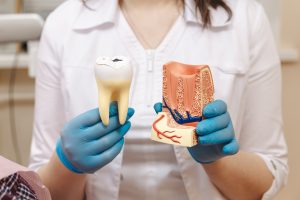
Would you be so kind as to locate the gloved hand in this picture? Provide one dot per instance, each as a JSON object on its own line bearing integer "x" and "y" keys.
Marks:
{"x": 86, "y": 145}
{"x": 216, "y": 137}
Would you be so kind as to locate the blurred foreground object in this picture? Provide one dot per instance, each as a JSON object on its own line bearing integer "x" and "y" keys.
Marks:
{"x": 17, "y": 182}
{"x": 43, "y": 8}
{"x": 20, "y": 27}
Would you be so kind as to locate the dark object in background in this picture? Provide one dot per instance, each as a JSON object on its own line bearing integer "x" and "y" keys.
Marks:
{"x": 19, "y": 183}
{"x": 16, "y": 187}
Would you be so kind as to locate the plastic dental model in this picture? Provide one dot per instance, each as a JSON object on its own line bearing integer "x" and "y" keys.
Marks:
{"x": 186, "y": 90}
{"x": 113, "y": 77}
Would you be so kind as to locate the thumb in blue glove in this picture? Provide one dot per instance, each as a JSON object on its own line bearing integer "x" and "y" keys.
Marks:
{"x": 216, "y": 137}
{"x": 87, "y": 145}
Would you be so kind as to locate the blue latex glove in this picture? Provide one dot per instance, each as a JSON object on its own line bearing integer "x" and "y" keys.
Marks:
{"x": 215, "y": 134}
{"x": 86, "y": 145}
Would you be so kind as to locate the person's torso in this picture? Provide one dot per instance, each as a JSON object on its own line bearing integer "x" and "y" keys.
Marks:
{"x": 224, "y": 48}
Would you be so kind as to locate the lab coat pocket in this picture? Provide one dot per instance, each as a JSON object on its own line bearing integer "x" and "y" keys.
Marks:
{"x": 229, "y": 82}
{"x": 230, "y": 86}
{"x": 80, "y": 90}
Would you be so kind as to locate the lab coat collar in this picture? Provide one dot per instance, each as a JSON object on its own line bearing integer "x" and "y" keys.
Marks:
{"x": 96, "y": 13}
{"x": 219, "y": 16}
{"x": 99, "y": 12}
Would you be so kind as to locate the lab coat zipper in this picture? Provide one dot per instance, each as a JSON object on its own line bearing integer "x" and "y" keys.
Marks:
{"x": 150, "y": 63}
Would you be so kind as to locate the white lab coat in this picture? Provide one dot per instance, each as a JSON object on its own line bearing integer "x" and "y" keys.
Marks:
{"x": 240, "y": 52}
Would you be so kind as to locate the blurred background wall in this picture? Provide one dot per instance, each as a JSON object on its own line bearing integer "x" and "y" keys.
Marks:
{"x": 289, "y": 38}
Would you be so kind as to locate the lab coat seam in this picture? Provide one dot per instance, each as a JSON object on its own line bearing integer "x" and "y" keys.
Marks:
{"x": 98, "y": 10}
{"x": 181, "y": 161}
{"x": 264, "y": 70}
{"x": 49, "y": 63}
{"x": 253, "y": 38}
{"x": 119, "y": 174}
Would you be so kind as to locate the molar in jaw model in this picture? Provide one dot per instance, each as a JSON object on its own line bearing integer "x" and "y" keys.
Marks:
{"x": 113, "y": 77}
{"x": 187, "y": 89}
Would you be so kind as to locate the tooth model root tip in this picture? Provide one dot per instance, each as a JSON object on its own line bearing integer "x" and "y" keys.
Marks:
{"x": 104, "y": 102}
{"x": 121, "y": 120}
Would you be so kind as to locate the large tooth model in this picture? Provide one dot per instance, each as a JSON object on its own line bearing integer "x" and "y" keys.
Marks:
{"x": 113, "y": 77}
{"x": 186, "y": 90}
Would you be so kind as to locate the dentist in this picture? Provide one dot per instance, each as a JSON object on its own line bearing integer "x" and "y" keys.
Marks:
{"x": 241, "y": 153}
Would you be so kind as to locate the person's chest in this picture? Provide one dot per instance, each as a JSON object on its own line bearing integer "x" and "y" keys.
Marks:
{"x": 227, "y": 57}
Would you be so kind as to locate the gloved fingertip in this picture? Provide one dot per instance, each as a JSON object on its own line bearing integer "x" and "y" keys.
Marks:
{"x": 200, "y": 129}
{"x": 209, "y": 111}
{"x": 130, "y": 112}
{"x": 220, "y": 103}
{"x": 120, "y": 143}
{"x": 113, "y": 108}
{"x": 231, "y": 148}
{"x": 157, "y": 107}
{"x": 214, "y": 108}
{"x": 125, "y": 128}
{"x": 114, "y": 103}
{"x": 203, "y": 140}
{"x": 128, "y": 124}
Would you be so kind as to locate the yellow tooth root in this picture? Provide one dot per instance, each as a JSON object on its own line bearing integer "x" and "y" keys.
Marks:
{"x": 110, "y": 91}
{"x": 104, "y": 102}
{"x": 123, "y": 105}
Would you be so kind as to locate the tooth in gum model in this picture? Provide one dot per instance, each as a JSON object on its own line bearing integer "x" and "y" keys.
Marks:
{"x": 113, "y": 77}
{"x": 186, "y": 90}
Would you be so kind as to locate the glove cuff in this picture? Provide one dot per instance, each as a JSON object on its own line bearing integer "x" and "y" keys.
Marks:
{"x": 61, "y": 155}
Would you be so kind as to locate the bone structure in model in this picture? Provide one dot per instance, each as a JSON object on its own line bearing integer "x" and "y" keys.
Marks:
{"x": 186, "y": 90}
{"x": 113, "y": 76}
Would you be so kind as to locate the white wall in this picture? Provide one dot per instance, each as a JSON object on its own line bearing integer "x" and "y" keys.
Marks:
{"x": 290, "y": 38}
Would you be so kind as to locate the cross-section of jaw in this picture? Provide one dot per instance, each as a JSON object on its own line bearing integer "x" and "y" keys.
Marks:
{"x": 187, "y": 89}
{"x": 166, "y": 130}
{"x": 113, "y": 77}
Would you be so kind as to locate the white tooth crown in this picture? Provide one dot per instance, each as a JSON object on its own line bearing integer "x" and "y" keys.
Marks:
{"x": 117, "y": 68}
{"x": 113, "y": 77}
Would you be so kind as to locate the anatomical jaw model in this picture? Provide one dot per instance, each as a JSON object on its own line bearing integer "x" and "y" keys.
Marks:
{"x": 186, "y": 90}
{"x": 113, "y": 77}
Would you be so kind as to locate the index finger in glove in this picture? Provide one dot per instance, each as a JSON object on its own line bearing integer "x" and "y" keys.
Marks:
{"x": 99, "y": 129}
{"x": 215, "y": 108}
{"x": 157, "y": 107}
{"x": 92, "y": 117}
{"x": 214, "y": 124}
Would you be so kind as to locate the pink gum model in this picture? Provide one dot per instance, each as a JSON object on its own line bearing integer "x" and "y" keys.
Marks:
{"x": 186, "y": 90}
